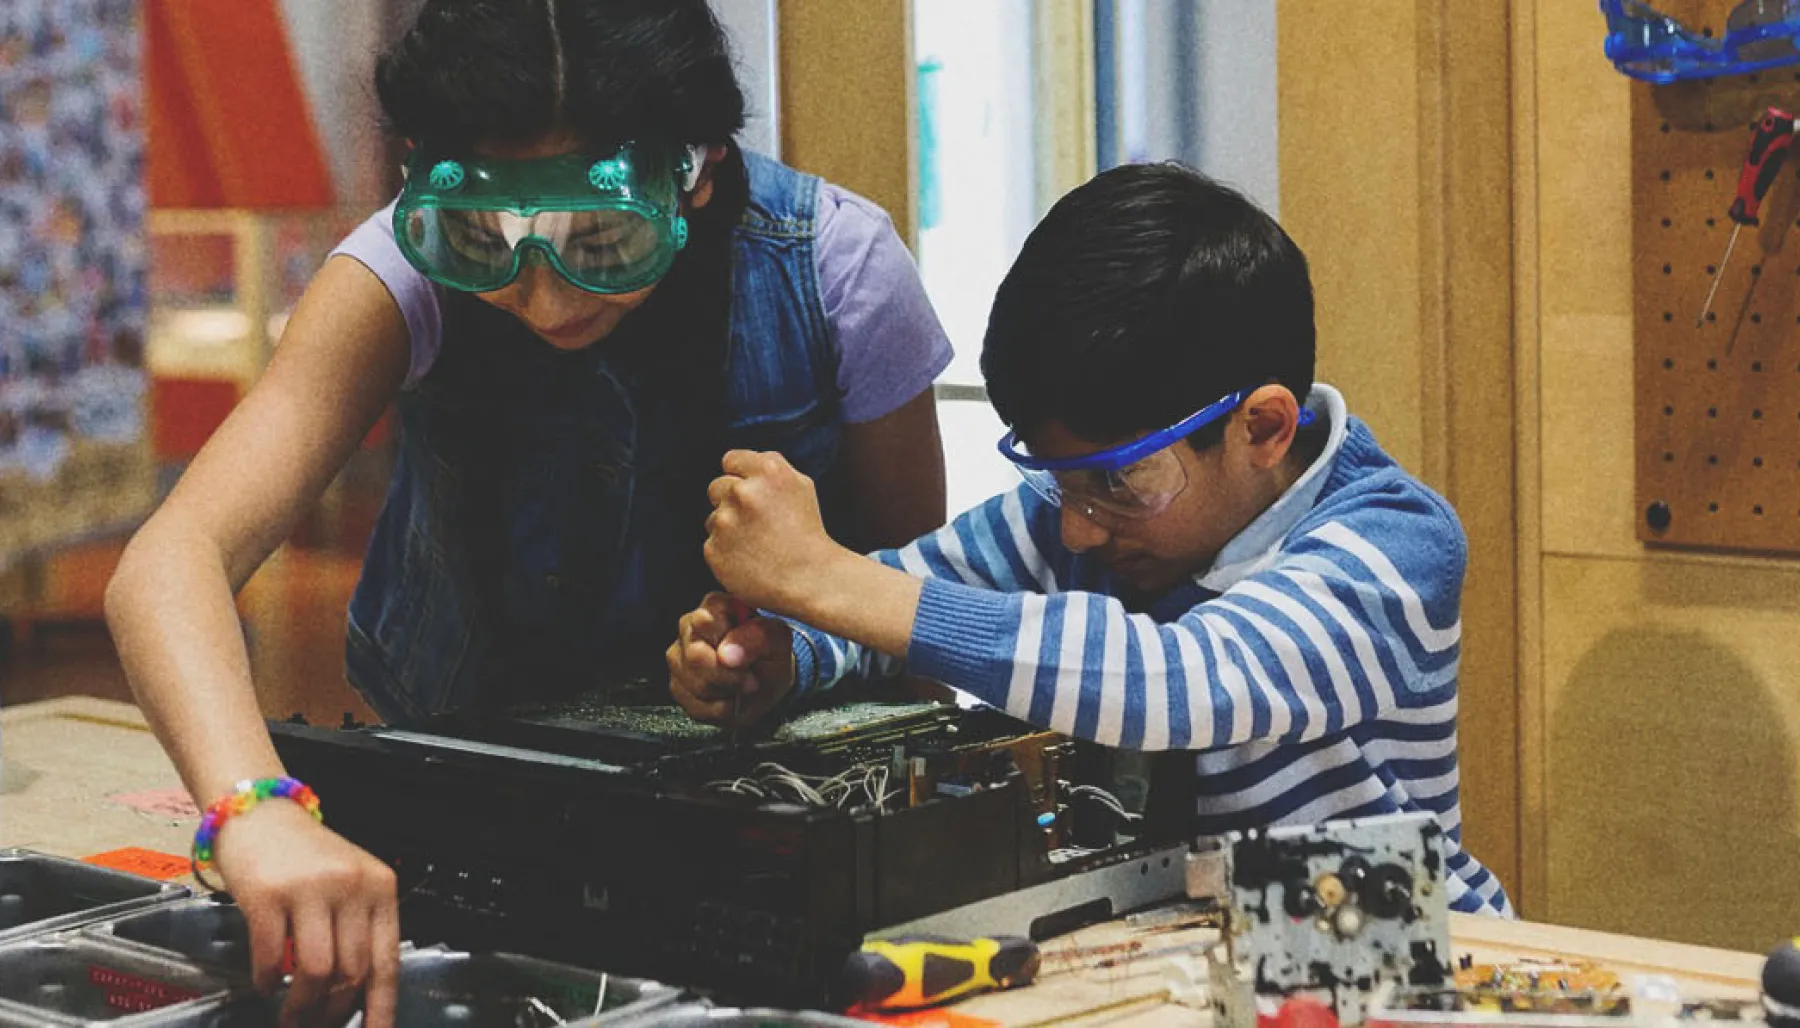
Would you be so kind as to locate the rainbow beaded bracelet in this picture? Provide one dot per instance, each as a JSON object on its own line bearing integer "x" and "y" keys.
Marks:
{"x": 245, "y": 795}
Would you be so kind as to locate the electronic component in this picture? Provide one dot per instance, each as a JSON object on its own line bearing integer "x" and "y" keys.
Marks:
{"x": 1331, "y": 914}
{"x": 609, "y": 834}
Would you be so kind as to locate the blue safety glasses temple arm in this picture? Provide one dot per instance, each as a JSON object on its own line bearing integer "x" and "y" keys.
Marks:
{"x": 1123, "y": 456}
{"x": 1646, "y": 44}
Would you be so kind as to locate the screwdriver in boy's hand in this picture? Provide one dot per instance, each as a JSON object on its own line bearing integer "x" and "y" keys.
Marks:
{"x": 1769, "y": 143}
{"x": 740, "y": 612}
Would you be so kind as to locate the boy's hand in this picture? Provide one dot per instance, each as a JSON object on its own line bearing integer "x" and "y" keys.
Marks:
{"x": 766, "y": 539}
{"x": 729, "y": 670}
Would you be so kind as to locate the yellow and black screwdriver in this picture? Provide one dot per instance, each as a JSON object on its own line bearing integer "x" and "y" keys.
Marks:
{"x": 1769, "y": 143}
{"x": 925, "y": 971}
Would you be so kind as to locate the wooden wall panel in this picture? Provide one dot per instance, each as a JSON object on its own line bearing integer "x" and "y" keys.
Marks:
{"x": 1395, "y": 179}
{"x": 1674, "y": 801}
{"x": 1661, "y": 712}
{"x": 1350, "y": 196}
{"x": 846, "y": 98}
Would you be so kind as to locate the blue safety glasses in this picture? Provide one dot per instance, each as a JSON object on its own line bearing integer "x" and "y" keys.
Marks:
{"x": 1134, "y": 480}
{"x": 1647, "y": 44}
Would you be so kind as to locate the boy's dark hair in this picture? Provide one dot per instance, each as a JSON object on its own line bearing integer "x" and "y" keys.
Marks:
{"x": 514, "y": 71}
{"x": 1143, "y": 296}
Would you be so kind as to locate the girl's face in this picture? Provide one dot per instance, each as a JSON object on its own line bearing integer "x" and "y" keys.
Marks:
{"x": 560, "y": 314}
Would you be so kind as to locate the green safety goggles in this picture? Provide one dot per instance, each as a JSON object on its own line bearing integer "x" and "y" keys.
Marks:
{"x": 607, "y": 223}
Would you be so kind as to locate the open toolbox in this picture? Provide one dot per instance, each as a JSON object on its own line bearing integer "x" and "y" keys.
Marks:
{"x": 88, "y": 946}
{"x": 40, "y": 893}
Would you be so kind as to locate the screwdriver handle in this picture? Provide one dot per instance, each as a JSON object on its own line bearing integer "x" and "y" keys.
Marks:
{"x": 1769, "y": 144}
{"x": 738, "y": 610}
{"x": 925, "y": 971}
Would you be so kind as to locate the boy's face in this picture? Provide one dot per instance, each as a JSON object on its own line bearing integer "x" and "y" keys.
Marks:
{"x": 1228, "y": 486}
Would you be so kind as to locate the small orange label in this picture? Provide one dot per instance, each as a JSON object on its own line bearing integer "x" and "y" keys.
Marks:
{"x": 149, "y": 863}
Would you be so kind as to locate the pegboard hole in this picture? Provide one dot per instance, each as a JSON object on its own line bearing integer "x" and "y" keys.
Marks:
{"x": 1670, "y": 411}
{"x": 1756, "y": 511}
{"x": 1756, "y": 365}
{"x": 1712, "y": 412}
{"x": 1667, "y": 223}
{"x": 1665, "y": 175}
{"x": 1668, "y": 315}
{"x": 1756, "y": 462}
{"x": 1712, "y": 459}
{"x": 1756, "y": 415}
{"x": 1712, "y": 365}
{"x": 1707, "y": 32}
{"x": 1668, "y": 458}
{"x": 1711, "y": 270}
{"x": 1756, "y": 269}
{"x": 1665, "y": 126}
{"x": 1712, "y": 316}
{"x": 1668, "y": 269}
{"x": 1712, "y": 508}
{"x": 1709, "y": 174}
{"x": 1668, "y": 363}
{"x": 1756, "y": 319}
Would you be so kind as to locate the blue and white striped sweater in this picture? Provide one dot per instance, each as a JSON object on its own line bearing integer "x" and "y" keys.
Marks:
{"x": 1314, "y": 668}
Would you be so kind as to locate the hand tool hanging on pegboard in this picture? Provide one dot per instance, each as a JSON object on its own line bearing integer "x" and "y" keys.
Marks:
{"x": 1770, "y": 141}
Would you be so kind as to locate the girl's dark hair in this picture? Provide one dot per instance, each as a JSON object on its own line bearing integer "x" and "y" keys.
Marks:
{"x": 514, "y": 71}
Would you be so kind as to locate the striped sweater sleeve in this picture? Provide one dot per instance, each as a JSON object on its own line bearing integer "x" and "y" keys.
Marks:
{"x": 1357, "y": 615}
{"x": 1008, "y": 544}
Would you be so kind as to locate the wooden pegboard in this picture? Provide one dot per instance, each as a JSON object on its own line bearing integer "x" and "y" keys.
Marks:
{"x": 1718, "y": 406}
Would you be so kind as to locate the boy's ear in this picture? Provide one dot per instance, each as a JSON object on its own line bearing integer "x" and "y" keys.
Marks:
{"x": 1271, "y": 418}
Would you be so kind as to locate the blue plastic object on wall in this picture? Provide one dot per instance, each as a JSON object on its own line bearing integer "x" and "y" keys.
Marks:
{"x": 1647, "y": 44}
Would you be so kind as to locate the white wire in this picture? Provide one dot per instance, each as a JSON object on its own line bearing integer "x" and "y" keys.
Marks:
{"x": 840, "y": 790}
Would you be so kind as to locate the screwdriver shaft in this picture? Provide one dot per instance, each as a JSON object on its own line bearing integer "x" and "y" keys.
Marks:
{"x": 1706, "y": 308}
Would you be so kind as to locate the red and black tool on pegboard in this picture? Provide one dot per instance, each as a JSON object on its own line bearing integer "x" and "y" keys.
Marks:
{"x": 1769, "y": 144}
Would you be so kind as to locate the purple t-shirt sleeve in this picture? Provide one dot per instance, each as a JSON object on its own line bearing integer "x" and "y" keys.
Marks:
{"x": 890, "y": 343}
{"x": 372, "y": 245}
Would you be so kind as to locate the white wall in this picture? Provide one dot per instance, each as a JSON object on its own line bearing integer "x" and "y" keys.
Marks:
{"x": 1198, "y": 85}
{"x": 1238, "y": 141}
{"x": 334, "y": 45}
{"x": 752, "y": 26}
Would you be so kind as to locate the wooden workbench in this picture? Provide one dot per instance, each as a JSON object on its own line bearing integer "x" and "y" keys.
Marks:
{"x": 83, "y": 776}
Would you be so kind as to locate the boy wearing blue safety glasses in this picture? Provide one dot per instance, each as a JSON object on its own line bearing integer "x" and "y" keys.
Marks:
{"x": 1196, "y": 560}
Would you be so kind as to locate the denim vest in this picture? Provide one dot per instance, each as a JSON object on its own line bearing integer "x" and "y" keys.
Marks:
{"x": 539, "y": 535}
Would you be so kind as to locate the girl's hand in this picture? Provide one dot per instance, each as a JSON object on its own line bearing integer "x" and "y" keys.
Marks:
{"x": 293, "y": 878}
{"x": 766, "y": 539}
{"x": 729, "y": 668}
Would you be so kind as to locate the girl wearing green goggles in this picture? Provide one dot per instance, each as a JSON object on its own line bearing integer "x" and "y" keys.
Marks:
{"x": 584, "y": 295}
{"x": 607, "y": 222}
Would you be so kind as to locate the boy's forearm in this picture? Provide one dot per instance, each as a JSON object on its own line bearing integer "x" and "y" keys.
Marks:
{"x": 864, "y": 601}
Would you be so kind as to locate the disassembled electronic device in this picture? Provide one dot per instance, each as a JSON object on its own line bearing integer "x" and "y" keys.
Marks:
{"x": 613, "y": 832}
{"x": 1330, "y": 914}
